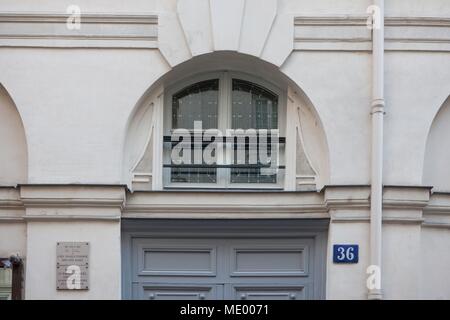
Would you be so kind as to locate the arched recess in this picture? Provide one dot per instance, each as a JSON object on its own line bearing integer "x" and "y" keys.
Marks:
{"x": 13, "y": 146}
{"x": 436, "y": 172}
{"x": 306, "y": 160}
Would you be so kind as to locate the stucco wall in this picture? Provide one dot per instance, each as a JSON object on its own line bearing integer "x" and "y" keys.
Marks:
{"x": 435, "y": 262}
{"x": 104, "y": 262}
{"x": 348, "y": 281}
{"x": 13, "y": 239}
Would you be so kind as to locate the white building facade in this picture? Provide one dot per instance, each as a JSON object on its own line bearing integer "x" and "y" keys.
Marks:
{"x": 92, "y": 93}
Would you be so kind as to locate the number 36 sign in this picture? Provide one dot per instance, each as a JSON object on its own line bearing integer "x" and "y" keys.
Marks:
{"x": 345, "y": 253}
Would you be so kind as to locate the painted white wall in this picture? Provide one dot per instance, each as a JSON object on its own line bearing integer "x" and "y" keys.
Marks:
{"x": 338, "y": 85}
{"x": 13, "y": 240}
{"x": 435, "y": 262}
{"x": 348, "y": 281}
{"x": 104, "y": 258}
{"x": 417, "y": 84}
{"x": 401, "y": 261}
{"x": 75, "y": 105}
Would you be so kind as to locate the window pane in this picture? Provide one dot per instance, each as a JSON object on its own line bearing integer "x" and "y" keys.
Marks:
{"x": 198, "y": 102}
{"x": 253, "y": 107}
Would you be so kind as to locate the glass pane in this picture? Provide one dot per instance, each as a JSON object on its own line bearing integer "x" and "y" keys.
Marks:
{"x": 198, "y": 102}
{"x": 253, "y": 107}
{"x": 195, "y": 174}
{"x": 5, "y": 283}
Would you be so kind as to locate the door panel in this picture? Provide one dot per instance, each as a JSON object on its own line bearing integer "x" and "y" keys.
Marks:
{"x": 179, "y": 292}
{"x": 270, "y": 258}
{"x": 266, "y": 292}
{"x": 165, "y": 260}
{"x": 223, "y": 268}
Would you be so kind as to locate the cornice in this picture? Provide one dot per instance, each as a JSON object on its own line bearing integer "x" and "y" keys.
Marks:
{"x": 340, "y": 203}
{"x": 70, "y": 217}
{"x": 361, "y": 20}
{"x": 418, "y": 21}
{"x": 343, "y": 20}
{"x": 235, "y": 211}
{"x": 41, "y": 17}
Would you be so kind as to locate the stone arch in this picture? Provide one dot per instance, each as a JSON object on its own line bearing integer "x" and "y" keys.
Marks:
{"x": 143, "y": 125}
{"x": 436, "y": 172}
{"x": 13, "y": 145}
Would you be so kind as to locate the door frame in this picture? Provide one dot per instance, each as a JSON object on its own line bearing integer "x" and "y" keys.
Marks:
{"x": 226, "y": 228}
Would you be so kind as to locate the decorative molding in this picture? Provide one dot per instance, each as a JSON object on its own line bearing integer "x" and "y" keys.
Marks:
{"x": 320, "y": 33}
{"x": 225, "y": 213}
{"x": 397, "y": 220}
{"x": 350, "y": 33}
{"x": 11, "y": 206}
{"x": 65, "y": 217}
{"x": 342, "y": 33}
{"x": 417, "y": 34}
{"x": 347, "y": 197}
{"x": 69, "y": 202}
{"x": 305, "y": 172}
{"x": 97, "y": 30}
{"x": 341, "y": 204}
{"x": 331, "y": 20}
{"x": 406, "y": 197}
{"x": 97, "y": 18}
{"x": 402, "y": 204}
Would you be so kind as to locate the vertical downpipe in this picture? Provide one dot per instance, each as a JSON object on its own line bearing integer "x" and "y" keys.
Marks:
{"x": 377, "y": 112}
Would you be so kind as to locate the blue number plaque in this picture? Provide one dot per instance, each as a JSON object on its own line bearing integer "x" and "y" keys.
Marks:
{"x": 345, "y": 253}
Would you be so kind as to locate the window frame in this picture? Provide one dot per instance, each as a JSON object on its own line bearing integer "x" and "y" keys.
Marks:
{"x": 224, "y": 121}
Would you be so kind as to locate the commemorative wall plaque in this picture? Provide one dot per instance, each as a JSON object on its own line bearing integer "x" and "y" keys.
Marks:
{"x": 72, "y": 266}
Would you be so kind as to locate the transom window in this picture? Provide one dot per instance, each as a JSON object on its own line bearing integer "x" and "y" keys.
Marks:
{"x": 221, "y": 131}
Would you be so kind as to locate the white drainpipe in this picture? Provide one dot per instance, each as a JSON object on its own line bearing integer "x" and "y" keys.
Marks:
{"x": 376, "y": 203}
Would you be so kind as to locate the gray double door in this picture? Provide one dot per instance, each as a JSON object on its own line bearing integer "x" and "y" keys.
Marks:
{"x": 239, "y": 267}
